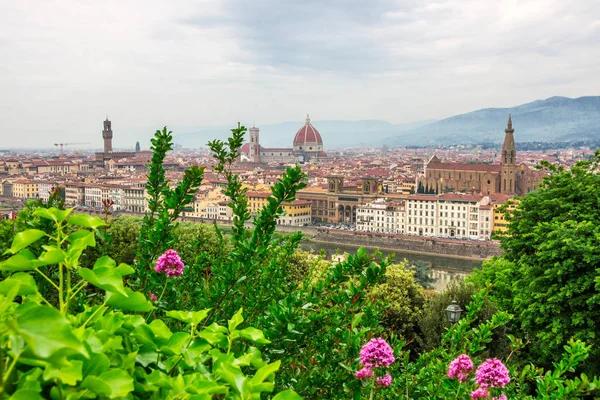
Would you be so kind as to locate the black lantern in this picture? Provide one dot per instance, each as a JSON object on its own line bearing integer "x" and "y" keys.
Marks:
{"x": 453, "y": 312}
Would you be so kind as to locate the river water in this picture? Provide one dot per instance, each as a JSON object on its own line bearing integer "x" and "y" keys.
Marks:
{"x": 444, "y": 269}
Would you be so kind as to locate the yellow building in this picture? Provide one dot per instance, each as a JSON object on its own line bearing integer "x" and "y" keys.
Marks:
{"x": 25, "y": 189}
{"x": 297, "y": 212}
{"x": 500, "y": 222}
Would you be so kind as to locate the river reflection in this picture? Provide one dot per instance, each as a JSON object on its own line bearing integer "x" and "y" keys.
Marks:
{"x": 445, "y": 269}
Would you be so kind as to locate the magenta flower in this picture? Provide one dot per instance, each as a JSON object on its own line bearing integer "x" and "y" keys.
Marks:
{"x": 384, "y": 381}
{"x": 501, "y": 397}
{"x": 480, "y": 393}
{"x": 460, "y": 367}
{"x": 170, "y": 263}
{"x": 376, "y": 353}
{"x": 492, "y": 373}
{"x": 153, "y": 297}
{"x": 364, "y": 373}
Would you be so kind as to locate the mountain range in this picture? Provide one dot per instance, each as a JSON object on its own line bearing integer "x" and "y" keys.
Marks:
{"x": 557, "y": 119}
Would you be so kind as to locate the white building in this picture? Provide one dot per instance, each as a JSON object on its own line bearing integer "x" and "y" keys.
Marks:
{"x": 459, "y": 215}
{"x": 44, "y": 189}
{"x": 421, "y": 215}
{"x": 381, "y": 216}
{"x": 134, "y": 199}
{"x": 93, "y": 196}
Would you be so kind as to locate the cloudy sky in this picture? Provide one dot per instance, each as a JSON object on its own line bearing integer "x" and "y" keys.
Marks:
{"x": 190, "y": 64}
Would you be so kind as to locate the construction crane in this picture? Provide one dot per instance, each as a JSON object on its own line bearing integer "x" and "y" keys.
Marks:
{"x": 66, "y": 144}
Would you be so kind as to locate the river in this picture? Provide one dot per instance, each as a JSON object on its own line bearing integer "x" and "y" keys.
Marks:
{"x": 444, "y": 269}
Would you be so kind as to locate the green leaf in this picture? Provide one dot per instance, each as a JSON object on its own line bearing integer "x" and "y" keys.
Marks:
{"x": 87, "y": 221}
{"x": 46, "y": 331}
{"x": 96, "y": 365}
{"x": 24, "y": 282}
{"x": 287, "y": 395}
{"x": 24, "y": 239}
{"x": 19, "y": 262}
{"x": 104, "y": 278}
{"x": 105, "y": 262}
{"x": 263, "y": 373}
{"x": 112, "y": 384}
{"x": 255, "y": 335}
{"x": 133, "y": 301}
{"x": 51, "y": 256}
{"x": 233, "y": 376}
{"x": 236, "y": 320}
{"x": 189, "y": 317}
{"x": 82, "y": 238}
{"x": 26, "y": 394}
{"x": 67, "y": 374}
{"x": 176, "y": 343}
{"x": 160, "y": 329}
{"x": 124, "y": 270}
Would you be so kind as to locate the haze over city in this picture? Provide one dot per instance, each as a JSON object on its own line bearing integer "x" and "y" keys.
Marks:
{"x": 200, "y": 64}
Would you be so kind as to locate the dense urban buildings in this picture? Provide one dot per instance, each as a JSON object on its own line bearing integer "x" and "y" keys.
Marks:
{"x": 385, "y": 191}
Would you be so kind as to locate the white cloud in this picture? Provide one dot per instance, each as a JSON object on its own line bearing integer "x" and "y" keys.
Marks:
{"x": 204, "y": 63}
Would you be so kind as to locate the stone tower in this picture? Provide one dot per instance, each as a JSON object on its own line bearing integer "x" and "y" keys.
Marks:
{"x": 107, "y": 135}
{"x": 137, "y": 147}
{"x": 508, "y": 161}
{"x": 254, "y": 145}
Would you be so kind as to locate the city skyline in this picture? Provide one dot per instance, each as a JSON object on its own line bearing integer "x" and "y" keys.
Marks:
{"x": 149, "y": 64}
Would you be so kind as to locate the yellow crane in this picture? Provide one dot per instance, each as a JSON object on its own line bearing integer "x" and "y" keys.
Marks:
{"x": 62, "y": 145}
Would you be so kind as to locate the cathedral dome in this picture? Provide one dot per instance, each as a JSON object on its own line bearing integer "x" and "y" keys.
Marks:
{"x": 308, "y": 138}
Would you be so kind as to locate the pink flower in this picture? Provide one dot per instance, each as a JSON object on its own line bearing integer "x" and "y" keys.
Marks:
{"x": 153, "y": 297}
{"x": 366, "y": 372}
{"x": 480, "y": 393}
{"x": 492, "y": 373}
{"x": 376, "y": 353}
{"x": 460, "y": 367}
{"x": 170, "y": 263}
{"x": 385, "y": 381}
{"x": 501, "y": 397}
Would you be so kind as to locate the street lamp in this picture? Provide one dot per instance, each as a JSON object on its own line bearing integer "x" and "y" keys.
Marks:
{"x": 453, "y": 312}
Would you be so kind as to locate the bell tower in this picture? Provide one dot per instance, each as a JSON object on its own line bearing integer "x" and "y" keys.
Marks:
{"x": 107, "y": 135}
{"x": 508, "y": 161}
{"x": 254, "y": 145}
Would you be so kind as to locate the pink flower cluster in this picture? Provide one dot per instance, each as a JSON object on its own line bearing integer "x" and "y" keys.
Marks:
{"x": 491, "y": 373}
{"x": 460, "y": 367}
{"x": 384, "y": 381}
{"x": 375, "y": 354}
{"x": 170, "y": 263}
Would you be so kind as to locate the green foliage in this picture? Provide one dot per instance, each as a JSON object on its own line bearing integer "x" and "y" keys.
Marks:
{"x": 105, "y": 350}
{"x": 403, "y": 299}
{"x": 423, "y": 276}
{"x": 546, "y": 276}
{"x": 433, "y": 321}
{"x": 157, "y": 232}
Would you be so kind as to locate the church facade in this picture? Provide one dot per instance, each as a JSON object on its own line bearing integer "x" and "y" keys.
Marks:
{"x": 307, "y": 146}
{"x": 507, "y": 177}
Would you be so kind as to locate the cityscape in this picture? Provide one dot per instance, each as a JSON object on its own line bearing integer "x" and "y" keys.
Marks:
{"x": 300, "y": 200}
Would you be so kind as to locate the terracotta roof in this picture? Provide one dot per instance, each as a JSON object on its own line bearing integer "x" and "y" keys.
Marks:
{"x": 460, "y": 197}
{"x": 465, "y": 167}
{"x": 307, "y": 135}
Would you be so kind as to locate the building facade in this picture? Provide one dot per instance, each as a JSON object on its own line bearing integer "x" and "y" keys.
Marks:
{"x": 506, "y": 177}
{"x": 307, "y": 146}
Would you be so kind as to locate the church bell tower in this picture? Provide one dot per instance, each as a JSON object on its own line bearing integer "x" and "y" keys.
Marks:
{"x": 254, "y": 145}
{"x": 107, "y": 135}
{"x": 508, "y": 161}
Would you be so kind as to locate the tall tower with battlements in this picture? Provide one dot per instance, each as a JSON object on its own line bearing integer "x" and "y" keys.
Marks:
{"x": 509, "y": 161}
{"x": 254, "y": 145}
{"x": 107, "y": 135}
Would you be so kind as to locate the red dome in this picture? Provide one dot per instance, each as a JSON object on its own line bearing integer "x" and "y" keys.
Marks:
{"x": 307, "y": 135}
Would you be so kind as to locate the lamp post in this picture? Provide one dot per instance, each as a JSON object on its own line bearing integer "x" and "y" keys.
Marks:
{"x": 453, "y": 312}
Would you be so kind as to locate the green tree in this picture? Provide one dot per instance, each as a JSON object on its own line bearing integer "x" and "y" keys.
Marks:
{"x": 546, "y": 276}
{"x": 423, "y": 276}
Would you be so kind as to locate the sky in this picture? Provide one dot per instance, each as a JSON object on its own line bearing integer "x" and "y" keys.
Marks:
{"x": 67, "y": 65}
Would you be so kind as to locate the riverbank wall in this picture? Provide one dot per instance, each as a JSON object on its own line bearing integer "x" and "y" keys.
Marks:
{"x": 415, "y": 244}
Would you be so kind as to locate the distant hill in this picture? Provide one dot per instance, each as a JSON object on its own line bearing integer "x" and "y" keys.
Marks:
{"x": 334, "y": 133}
{"x": 556, "y": 119}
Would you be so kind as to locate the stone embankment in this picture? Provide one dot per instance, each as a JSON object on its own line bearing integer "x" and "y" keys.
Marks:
{"x": 416, "y": 244}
